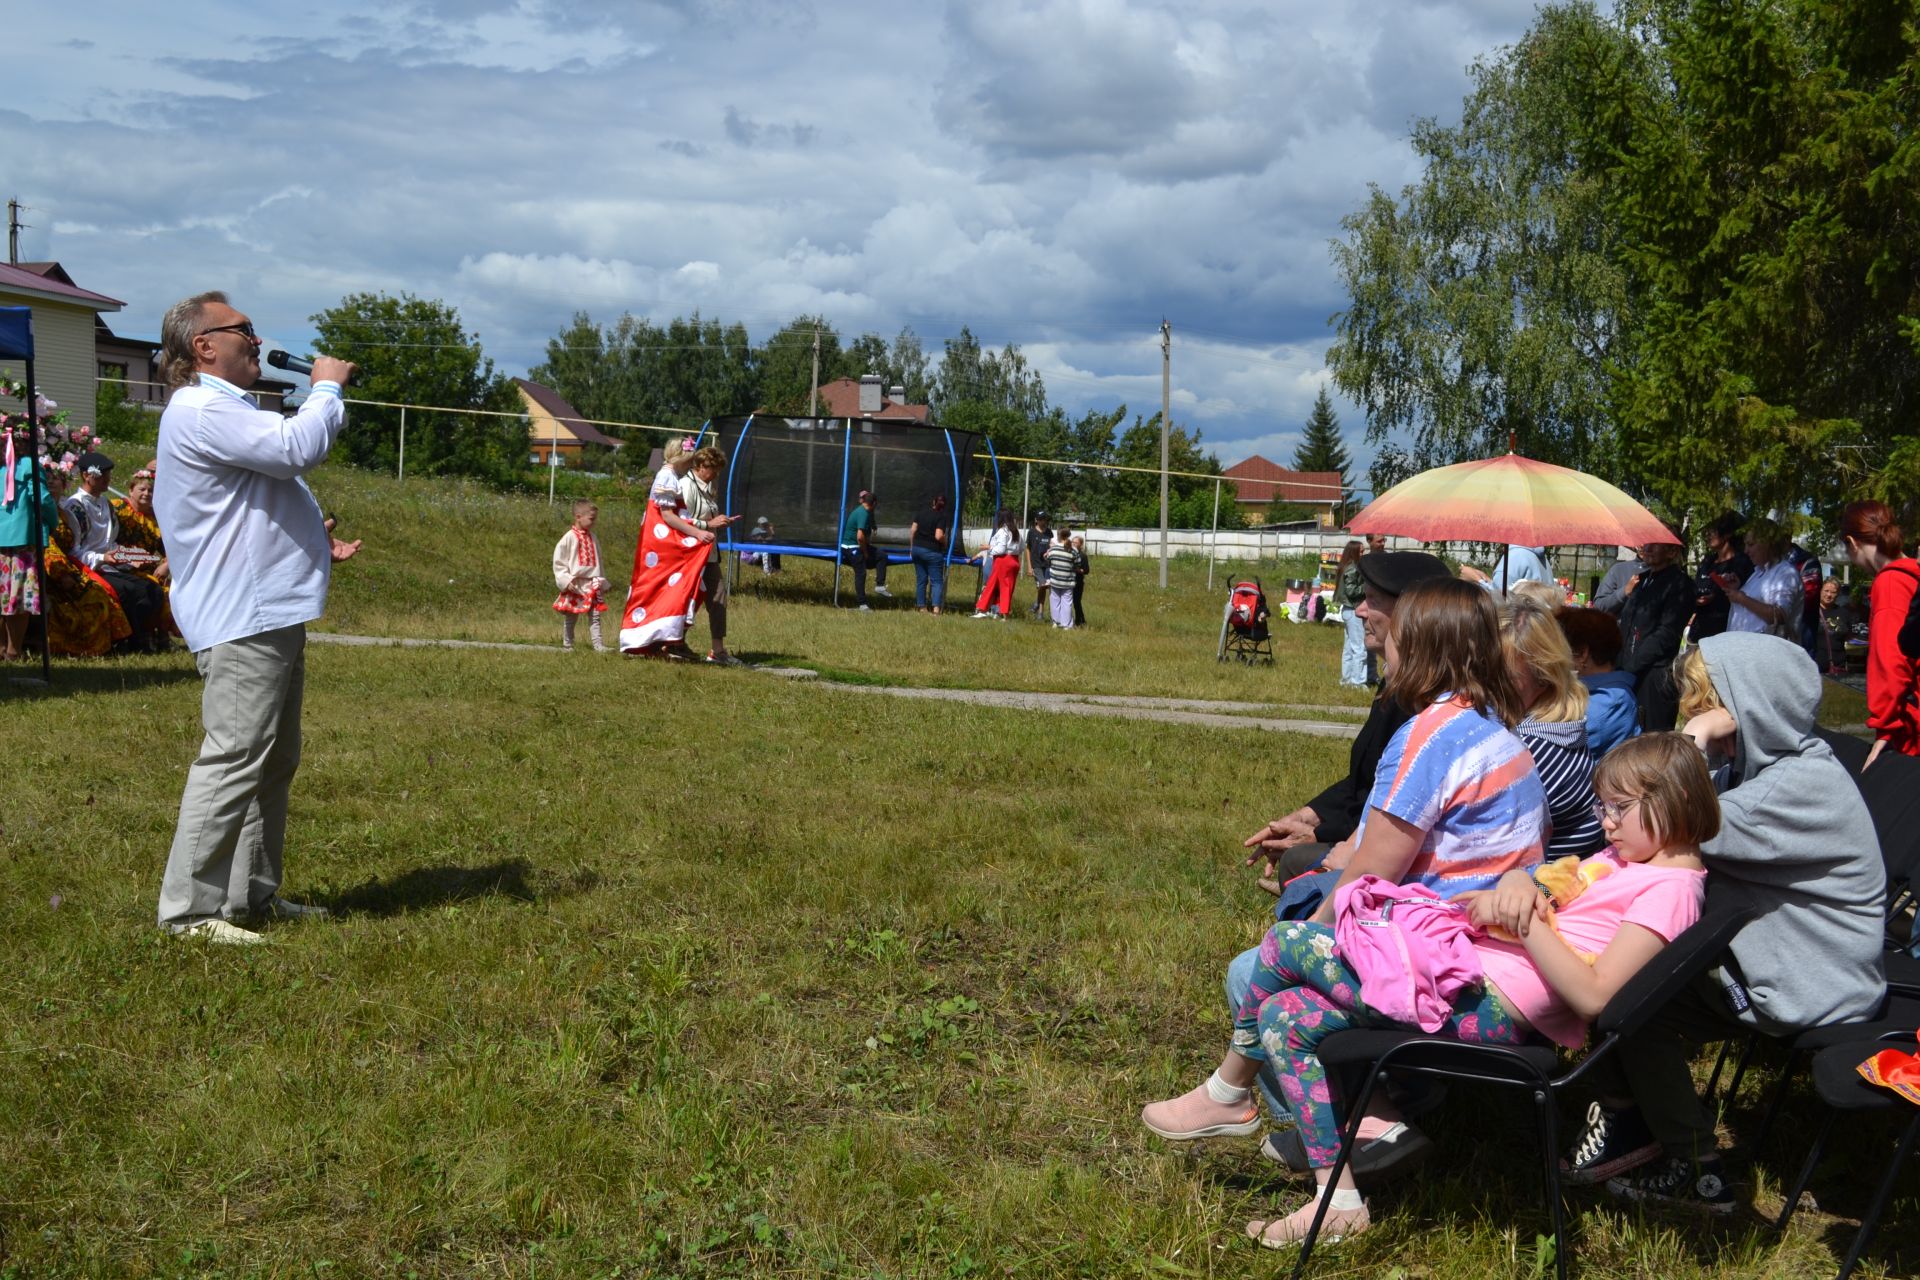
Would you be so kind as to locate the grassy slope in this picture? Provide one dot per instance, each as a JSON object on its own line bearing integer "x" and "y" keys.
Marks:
{"x": 655, "y": 971}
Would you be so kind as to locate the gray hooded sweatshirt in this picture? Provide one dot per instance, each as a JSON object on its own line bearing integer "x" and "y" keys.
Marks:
{"x": 1795, "y": 844}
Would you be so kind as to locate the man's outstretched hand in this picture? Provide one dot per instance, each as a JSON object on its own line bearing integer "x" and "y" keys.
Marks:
{"x": 1280, "y": 835}
{"x": 344, "y": 550}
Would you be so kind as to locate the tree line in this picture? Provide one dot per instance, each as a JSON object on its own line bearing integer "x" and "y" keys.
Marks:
{"x": 681, "y": 373}
{"x": 1677, "y": 244}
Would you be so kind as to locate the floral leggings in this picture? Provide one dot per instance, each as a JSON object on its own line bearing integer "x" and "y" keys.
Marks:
{"x": 1302, "y": 992}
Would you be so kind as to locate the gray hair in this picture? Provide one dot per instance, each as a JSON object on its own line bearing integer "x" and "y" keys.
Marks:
{"x": 178, "y": 365}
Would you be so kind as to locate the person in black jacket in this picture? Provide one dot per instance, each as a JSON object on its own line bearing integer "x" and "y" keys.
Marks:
{"x": 1301, "y": 839}
{"x": 1304, "y": 838}
{"x": 1660, "y": 599}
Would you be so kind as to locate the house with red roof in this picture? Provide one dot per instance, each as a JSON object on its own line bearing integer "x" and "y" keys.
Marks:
{"x": 65, "y": 321}
{"x": 1259, "y": 483}
{"x": 555, "y": 427}
{"x": 867, "y": 397}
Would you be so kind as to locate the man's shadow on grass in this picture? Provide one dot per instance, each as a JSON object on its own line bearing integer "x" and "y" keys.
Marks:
{"x": 424, "y": 888}
{"x": 93, "y": 675}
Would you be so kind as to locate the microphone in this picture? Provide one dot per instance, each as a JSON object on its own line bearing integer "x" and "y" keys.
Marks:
{"x": 292, "y": 364}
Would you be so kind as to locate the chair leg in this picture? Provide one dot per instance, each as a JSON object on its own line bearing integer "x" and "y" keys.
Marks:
{"x": 1713, "y": 1081}
{"x": 1806, "y": 1170}
{"x": 1740, "y": 1069}
{"x": 1880, "y": 1198}
{"x": 1774, "y": 1102}
{"x": 1544, "y": 1102}
{"x": 1349, "y": 1138}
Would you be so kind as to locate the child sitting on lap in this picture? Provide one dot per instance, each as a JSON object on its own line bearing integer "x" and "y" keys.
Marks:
{"x": 1657, "y": 806}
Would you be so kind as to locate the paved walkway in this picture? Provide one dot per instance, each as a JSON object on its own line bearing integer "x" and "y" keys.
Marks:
{"x": 1194, "y": 711}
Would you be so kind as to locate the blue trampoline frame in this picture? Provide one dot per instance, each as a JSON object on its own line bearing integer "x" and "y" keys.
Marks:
{"x": 836, "y": 552}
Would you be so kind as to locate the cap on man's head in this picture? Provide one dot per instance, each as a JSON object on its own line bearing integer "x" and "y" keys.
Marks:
{"x": 95, "y": 464}
{"x": 1392, "y": 572}
{"x": 867, "y": 495}
{"x": 762, "y": 522}
{"x": 1040, "y": 515}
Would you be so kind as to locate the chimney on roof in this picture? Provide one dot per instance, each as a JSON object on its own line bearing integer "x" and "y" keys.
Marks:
{"x": 869, "y": 394}
{"x": 897, "y": 393}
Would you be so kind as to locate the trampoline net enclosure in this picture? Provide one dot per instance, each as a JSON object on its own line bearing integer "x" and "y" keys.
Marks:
{"x": 805, "y": 474}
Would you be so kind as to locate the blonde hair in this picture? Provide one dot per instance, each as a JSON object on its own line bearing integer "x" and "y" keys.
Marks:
{"x": 1695, "y": 684}
{"x": 710, "y": 457}
{"x": 1446, "y": 635}
{"x": 674, "y": 450}
{"x": 1667, "y": 774}
{"x": 178, "y": 328}
{"x": 1531, "y": 634}
{"x": 1544, "y": 594}
{"x": 583, "y": 505}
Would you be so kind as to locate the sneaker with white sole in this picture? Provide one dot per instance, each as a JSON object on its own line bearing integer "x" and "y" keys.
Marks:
{"x": 1613, "y": 1143}
{"x": 1686, "y": 1184}
{"x": 220, "y": 932}
{"x": 1195, "y": 1115}
{"x": 981, "y": 613}
{"x": 279, "y": 908}
{"x": 882, "y": 592}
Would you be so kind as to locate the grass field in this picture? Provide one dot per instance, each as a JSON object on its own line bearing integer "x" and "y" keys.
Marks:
{"x": 646, "y": 970}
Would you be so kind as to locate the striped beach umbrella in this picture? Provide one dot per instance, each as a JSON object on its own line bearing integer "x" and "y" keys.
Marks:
{"x": 1512, "y": 499}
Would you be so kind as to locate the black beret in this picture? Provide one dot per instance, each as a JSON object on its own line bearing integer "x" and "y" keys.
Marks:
{"x": 95, "y": 462}
{"x": 1392, "y": 572}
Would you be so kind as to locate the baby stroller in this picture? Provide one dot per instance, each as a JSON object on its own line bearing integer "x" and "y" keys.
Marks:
{"x": 1244, "y": 633}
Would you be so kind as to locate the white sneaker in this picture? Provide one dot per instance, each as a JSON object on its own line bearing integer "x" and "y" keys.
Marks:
{"x": 882, "y": 592}
{"x": 219, "y": 931}
{"x": 865, "y": 609}
{"x": 981, "y": 613}
{"x": 278, "y": 908}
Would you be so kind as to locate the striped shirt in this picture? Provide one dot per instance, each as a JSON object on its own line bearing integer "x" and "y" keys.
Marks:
{"x": 1060, "y": 566}
{"x": 1469, "y": 783}
{"x": 1565, "y": 766}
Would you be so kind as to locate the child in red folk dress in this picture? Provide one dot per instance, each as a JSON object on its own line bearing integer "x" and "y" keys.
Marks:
{"x": 576, "y": 571}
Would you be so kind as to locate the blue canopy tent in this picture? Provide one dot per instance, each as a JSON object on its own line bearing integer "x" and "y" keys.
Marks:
{"x": 803, "y": 475}
{"x": 16, "y": 343}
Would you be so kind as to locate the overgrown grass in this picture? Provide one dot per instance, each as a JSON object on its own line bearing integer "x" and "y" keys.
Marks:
{"x": 653, "y": 971}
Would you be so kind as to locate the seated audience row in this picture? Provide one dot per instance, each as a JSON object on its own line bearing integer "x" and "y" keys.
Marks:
{"x": 1510, "y": 945}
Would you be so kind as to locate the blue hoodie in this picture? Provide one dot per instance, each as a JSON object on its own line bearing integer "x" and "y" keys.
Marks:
{"x": 1613, "y": 714}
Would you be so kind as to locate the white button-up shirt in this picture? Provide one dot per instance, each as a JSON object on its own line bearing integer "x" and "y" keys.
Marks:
{"x": 245, "y": 540}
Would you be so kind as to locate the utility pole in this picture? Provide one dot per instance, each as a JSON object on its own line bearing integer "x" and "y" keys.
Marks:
{"x": 1166, "y": 417}
{"x": 813, "y": 396}
{"x": 14, "y": 227}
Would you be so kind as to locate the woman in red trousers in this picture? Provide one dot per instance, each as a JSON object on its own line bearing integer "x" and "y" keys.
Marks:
{"x": 1001, "y": 555}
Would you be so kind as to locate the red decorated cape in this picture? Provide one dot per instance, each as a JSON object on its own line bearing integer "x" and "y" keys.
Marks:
{"x": 666, "y": 585}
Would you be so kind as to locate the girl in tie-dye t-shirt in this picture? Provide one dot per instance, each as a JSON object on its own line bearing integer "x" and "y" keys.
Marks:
{"x": 1467, "y": 781}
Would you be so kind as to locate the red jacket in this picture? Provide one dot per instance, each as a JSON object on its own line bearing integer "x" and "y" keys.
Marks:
{"x": 1891, "y": 710}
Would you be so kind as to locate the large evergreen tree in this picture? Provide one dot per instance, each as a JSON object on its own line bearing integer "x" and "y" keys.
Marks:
{"x": 1320, "y": 447}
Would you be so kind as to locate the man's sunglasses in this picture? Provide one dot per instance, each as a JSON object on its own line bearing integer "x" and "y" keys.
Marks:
{"x": 244, "y": 330}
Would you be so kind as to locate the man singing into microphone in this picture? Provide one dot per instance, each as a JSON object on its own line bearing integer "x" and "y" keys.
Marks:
{"x": 250, "y": 560}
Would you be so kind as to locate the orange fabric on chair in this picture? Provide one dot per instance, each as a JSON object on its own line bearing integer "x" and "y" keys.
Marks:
{"x": 1892, "y": 1069}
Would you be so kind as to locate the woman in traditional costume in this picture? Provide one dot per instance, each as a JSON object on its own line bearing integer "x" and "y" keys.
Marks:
{"x": 666, "y": 591}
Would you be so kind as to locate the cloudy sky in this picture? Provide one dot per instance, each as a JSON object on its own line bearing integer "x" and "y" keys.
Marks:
{"x": 1055, "y": 173}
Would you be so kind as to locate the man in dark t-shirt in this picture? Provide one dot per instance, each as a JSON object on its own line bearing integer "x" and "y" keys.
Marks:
{"x": 1039, "y": 538}
{"x": 927, "y": 539}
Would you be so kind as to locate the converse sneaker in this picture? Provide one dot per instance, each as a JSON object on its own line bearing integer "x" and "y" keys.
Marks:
{"x": 882, "y": 592}
{"x": 1698, "y": 1185}
{"x": 1612, "y": 1143}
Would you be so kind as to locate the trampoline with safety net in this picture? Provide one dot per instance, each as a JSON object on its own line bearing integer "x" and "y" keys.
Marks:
{"x": 804, "y": 474}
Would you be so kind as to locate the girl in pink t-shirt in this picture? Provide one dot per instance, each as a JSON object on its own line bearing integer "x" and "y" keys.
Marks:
{"x": 1571, "y": 956}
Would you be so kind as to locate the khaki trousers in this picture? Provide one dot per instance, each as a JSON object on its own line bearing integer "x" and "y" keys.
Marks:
{"x": 225, "y": 859}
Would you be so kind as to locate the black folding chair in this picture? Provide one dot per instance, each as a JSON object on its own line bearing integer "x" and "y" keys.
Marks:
{"x": 1836, "y": 1079}
{"x": 1535, "y": 1068}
